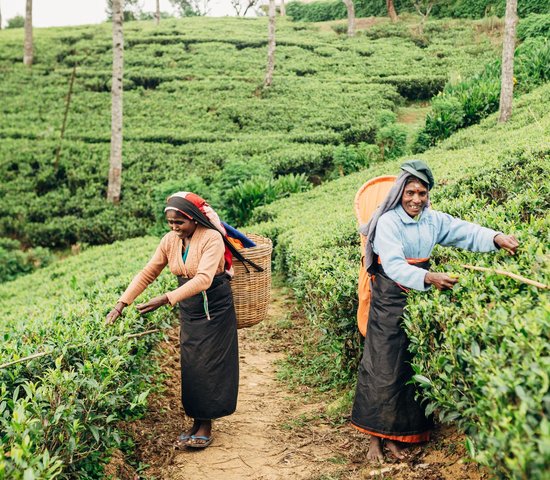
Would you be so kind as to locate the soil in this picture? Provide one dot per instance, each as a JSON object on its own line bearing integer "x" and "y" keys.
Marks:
{"x": 276, "y": 433}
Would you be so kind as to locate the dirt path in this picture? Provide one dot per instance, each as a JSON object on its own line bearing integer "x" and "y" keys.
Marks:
{"x": 274, "y": 434}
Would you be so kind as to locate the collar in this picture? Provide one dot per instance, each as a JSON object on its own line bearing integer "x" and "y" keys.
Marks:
{"x": 405, "y": 218}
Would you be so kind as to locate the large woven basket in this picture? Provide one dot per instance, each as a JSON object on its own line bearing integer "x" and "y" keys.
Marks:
{"x": 251, "y": 290}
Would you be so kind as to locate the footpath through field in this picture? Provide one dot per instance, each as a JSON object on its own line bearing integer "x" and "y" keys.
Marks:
{"x": 275, "y": 433}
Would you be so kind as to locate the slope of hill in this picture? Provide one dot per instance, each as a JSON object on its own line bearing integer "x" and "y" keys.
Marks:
{"x": 482, "y": 349}
{"x": 196, "y": 115}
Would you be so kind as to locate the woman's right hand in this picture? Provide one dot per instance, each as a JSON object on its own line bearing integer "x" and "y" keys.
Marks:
{"x": 114, "y": 313}
{"x": 441, "y": 281}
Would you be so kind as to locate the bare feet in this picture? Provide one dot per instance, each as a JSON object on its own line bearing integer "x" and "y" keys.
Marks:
{"x": 396, "y": 450}
{"x": 375, "y": 449}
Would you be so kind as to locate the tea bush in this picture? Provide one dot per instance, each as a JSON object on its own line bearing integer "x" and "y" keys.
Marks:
{"x": 320, "y": 11}
{"x": 465, "y": 103}
{"x": 194, "y": 108}
{"x": 59, "y": 412}
{"x": 534, "y": 26}
{"x": 14, "y": 261}
{"x": 482, "y": 349}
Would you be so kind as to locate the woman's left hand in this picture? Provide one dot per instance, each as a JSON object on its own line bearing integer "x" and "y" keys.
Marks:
{"x": 506, "y": 242}
{"x": 152, "y": 304}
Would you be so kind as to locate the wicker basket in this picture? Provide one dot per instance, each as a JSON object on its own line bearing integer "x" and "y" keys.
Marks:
{"x": 251, "y": 290}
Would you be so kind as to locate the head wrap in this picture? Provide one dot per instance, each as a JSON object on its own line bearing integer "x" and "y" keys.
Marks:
{"x": 194, "y": 207}
{"x": 412, "y": 168}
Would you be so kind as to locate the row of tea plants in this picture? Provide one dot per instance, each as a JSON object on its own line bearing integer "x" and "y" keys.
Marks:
{"x": 196, "y": 117}
{"x": 59, "y": 412}
{"x": 482, "y": 349}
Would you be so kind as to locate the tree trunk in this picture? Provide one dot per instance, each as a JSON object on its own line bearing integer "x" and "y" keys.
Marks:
{"x": 282, "y": 9}
{"x": 508, "y": 48}
{"x": 0, "y": 19}
{"x": 157, "y": 13}
{"x": 391, "y": 10}
{"x": 270, "y": 45}
{"x": 115, "y": 164}
{"x": 27, "y": 52}
{"x": 351, "y": 17}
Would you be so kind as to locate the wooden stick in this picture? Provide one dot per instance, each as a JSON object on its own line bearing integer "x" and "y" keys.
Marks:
{"x": 515, "y": 276}
{"x": 136, "y": 335}
{"x": 43, "y": 354}
{"x": 24, "y": 359}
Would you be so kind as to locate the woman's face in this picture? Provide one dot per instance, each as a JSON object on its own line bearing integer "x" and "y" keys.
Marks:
{"x": 414, "y": 198}
{"x": 180, "y": 224}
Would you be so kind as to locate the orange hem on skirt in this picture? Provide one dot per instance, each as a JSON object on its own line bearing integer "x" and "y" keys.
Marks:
{"x": 420, "y": 437}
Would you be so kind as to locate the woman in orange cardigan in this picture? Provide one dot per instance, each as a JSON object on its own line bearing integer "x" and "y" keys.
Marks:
{"x": 196, "y": 251}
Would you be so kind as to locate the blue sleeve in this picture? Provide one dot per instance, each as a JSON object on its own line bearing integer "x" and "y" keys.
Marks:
{"x": 389, "y": 247}
{"x": 454, "y": 232}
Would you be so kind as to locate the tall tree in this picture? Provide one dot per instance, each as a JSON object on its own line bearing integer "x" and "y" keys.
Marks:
{"x": 270, "y": 45}
{"x": 27, "y": 50}
{"x": 157, "y": 13}
{"x": 241, "y": 7}
{"x": 423, "y": 8}
{"x": 282, "y": 9}
{"x": 115, "y": 164}
{"x": 508, "y": 48}
{"x": 191, "y": 8}
{"x": 351, "y": 17}
{"x": 0, "y": 18}
{"x": 391, "y": 10}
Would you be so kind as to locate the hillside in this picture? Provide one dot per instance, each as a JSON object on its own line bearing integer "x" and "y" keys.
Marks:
{"x": 195, "y": 114}
{"x": 483, "y": 349}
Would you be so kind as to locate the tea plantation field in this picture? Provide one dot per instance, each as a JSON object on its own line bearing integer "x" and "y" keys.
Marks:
{"x": 196, "y": 116}
{"x": 484, "y": 348}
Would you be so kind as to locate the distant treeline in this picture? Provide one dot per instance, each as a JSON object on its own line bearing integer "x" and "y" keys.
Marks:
{"x": 332, "y": 10}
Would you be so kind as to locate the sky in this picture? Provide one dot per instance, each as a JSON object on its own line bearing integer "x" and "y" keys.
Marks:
{"x": 57, "y": 13}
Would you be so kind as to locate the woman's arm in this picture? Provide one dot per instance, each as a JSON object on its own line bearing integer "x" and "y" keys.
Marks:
{"x": 140, "y": 282}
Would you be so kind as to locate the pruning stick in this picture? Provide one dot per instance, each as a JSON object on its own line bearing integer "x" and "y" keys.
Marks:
{"x": 43, "y": 354}
{"x": 515, "y": 276}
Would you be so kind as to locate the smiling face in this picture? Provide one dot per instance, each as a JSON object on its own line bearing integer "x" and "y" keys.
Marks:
{"x": 182, "y": 226}
{"x": 414, "y": 198}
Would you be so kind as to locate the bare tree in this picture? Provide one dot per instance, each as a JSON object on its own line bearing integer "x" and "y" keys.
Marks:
{"x": 115, "y": 164}
{"x": 391, "y": 10}
{"x": 241, "y": 7}
{"x": 157, "y": 13}
{"x": 423, "y": 8}
{"x": 282, "y": 9}
{"x": 27, "y": 49}
{"x": 351, "y": 17}
{"x": 508, "y": 48}
{"x": 270, "y": 45}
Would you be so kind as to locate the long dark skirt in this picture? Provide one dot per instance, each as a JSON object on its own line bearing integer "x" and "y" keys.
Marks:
{"x": 384, "y": 400}
{"x": 209, "y": 352}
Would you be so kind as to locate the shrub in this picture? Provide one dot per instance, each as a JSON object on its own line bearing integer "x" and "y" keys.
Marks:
{"x": 534, "y": 26}
{"x": 15, "y": 262}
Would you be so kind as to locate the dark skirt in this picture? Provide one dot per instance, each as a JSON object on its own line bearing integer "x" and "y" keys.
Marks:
{"x": 209, "y": 352}
{"x": 385, "y": 403}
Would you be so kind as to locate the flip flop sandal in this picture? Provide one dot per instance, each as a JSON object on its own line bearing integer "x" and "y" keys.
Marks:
{"x": 182, "y": 440}
{"x": 205, "y": 441}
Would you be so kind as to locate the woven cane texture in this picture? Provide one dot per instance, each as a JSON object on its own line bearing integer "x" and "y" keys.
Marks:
{"x": 251, "y": 290}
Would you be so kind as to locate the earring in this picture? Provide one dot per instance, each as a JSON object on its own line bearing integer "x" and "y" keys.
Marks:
{"x": 196, "y": 223}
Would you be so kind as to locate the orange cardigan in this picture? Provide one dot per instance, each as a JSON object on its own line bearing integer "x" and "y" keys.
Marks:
{"x": 204, "y": 260}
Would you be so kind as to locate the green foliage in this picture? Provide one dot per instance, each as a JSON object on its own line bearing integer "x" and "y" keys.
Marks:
{"x": 483, "y": 348}
{"x": 467, "y": 102}
{"x": 14, "y": 261}
{"x": 534, "y": 26}
{"x": 58, "y": 412}
{"x": 247, "y": 195}
{"x": 16, "y": 22}
{"x": 195, "y": 114}
{"x": 320, "y": 11}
